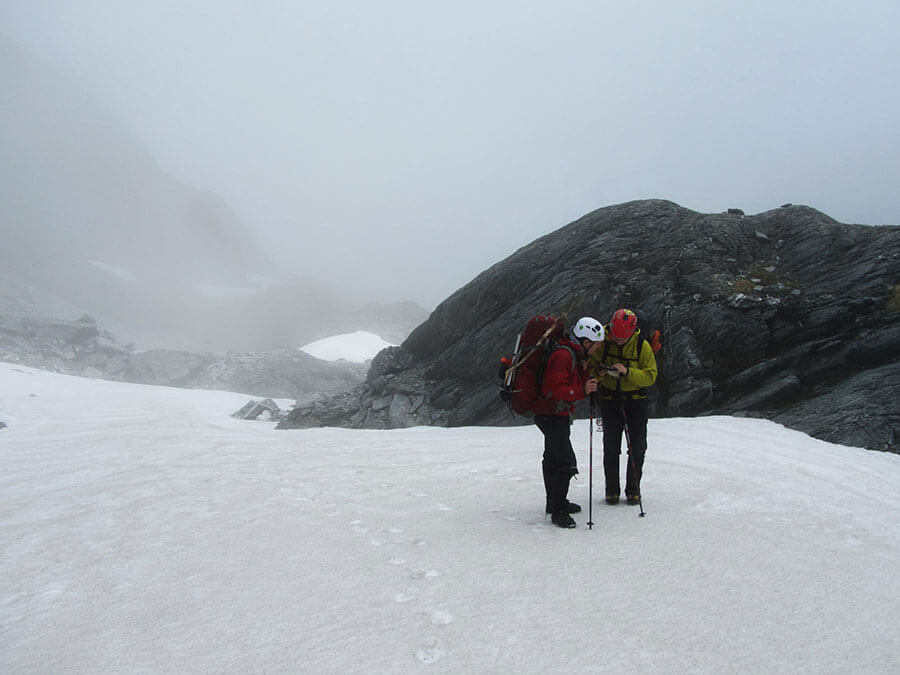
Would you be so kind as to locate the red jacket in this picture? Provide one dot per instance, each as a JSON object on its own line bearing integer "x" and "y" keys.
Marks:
{"x": 564, "y": 380}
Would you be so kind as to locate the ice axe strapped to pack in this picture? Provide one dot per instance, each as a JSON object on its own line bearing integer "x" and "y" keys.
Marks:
{"x": 522, "y": 374}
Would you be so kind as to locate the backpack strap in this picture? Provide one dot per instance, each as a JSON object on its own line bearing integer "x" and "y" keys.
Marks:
{"x": 620, "y": 355}
{"x": 640, "y": 346}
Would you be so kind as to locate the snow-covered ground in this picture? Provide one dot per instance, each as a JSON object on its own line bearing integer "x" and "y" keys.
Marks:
{"x": 357, "y": 347}
{"x": 142, "y": 529}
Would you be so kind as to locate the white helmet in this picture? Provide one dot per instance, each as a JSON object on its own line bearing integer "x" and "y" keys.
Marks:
{"x": 590, "y": 328}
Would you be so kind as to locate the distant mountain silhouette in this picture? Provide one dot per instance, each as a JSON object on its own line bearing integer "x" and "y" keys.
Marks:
{"x": 92, "y": 225}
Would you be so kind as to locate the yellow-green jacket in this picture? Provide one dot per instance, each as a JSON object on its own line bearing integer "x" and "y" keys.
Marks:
{"x": 641, "y": 367}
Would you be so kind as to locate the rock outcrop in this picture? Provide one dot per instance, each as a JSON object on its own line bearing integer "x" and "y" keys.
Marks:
{"x": 786, "y": 314}
{"x": 266, "y": 409}
{"x": 81, "y": 348}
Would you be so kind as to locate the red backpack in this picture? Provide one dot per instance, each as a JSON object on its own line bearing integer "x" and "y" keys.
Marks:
{"x": 521, "y": 376}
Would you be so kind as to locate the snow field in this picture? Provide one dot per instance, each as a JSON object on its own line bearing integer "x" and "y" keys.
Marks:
{"x": 357, "y": 347}
{"x": 145, "y": 530}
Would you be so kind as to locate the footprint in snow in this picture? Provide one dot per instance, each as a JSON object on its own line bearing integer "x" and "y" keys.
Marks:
{"x": 431, "y": 652}
{"x": 407, "y": 596}
{"x": 441, "y": 618}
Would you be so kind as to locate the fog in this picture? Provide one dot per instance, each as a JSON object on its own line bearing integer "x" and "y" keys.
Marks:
{"x": 397, "y": 149}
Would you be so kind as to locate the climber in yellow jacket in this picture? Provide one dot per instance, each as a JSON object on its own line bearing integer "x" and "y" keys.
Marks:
{"x": 625, "y": 367}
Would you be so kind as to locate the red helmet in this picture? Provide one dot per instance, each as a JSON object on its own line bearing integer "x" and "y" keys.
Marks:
{"x": 623, "y": 324}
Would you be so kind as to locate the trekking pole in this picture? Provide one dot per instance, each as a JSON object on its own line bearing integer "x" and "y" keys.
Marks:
{"x": 590, "y": 522}
{"x": 631, "y": 458}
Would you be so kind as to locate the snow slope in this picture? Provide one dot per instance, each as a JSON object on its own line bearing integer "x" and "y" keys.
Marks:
{"x": 357, "y": 347}
{"x": 142, "y": 529}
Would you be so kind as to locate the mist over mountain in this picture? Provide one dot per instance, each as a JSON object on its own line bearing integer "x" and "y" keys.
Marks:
{"x": 92, "y": 225}
{"x": 86, "y": 204}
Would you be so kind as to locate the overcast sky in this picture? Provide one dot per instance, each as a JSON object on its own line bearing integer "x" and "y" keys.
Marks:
{"x": 401, "y": 147}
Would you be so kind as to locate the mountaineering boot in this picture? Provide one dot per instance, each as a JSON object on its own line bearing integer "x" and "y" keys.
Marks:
{"x": 612, "y": 498}
{"x": 558, "y": 488}
{"x": 633, "y": 498}
{"x": 562, "y": 519}
{"x": 570, "y": 507}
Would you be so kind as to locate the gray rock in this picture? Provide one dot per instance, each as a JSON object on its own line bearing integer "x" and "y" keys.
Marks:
{"x": 760, "y": 396}
{"x": 399, "y": 413}
{"x": 80, "y": 348}
{"x": 167, "y": 367}
{"x": 816, "y": 347}
{"x": 253, "y": 410}
{"x": 382, "y": 402}
{"x": 245, "y": 410}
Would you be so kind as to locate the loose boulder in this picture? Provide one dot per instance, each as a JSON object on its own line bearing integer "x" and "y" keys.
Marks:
{"x": 253, "y": 410}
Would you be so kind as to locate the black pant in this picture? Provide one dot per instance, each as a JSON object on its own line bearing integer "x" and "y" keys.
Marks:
{"x": 559, "y": 462}
{"x": 615, "y": 415}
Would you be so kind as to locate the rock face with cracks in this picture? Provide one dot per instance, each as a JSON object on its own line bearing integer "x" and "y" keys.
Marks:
{"x": 786, "y": 314}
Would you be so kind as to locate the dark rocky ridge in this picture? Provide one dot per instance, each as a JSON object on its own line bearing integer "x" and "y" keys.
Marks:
{"x": 787, "y": 315}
